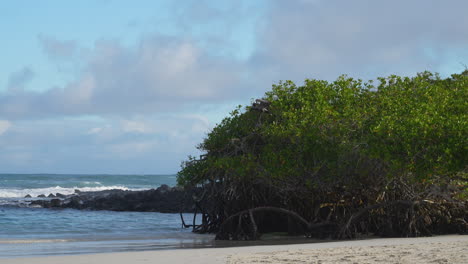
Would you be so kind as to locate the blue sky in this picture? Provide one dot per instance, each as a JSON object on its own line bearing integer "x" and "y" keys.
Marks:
{"x": 104, "y": 86}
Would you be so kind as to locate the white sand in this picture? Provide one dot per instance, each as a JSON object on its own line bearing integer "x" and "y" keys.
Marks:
{"x": 441, "y": 249}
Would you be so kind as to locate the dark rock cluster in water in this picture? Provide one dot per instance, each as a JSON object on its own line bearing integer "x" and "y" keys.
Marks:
{"x": 164, "y": 199}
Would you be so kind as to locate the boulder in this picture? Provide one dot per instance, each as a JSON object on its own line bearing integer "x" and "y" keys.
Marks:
{"x": 75, "y": 202}
{"x": 55, "y": 202}
{"x": 163, "y": 188}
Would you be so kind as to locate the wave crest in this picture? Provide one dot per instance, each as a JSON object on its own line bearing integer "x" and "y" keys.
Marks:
{"x": 20, "y": 193}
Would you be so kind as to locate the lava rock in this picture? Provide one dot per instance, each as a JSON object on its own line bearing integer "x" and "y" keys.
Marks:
{"x": 55, "y": 203}
{"x": 164, "y": 188}
{"x": 165, "y": 199}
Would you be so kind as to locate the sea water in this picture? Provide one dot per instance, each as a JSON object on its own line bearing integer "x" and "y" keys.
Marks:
{"x": 29, "y": 231}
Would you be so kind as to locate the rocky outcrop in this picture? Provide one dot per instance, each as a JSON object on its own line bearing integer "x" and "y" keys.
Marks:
{"x": 164, "y": 199}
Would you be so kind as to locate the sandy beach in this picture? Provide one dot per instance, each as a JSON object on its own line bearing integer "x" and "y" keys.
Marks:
{"x": 440, "y": 249}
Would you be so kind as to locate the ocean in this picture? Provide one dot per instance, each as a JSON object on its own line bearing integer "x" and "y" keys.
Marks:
{"x": 30, "y": 231}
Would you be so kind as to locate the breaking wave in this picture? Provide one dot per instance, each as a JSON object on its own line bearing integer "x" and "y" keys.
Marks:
{"x": 34, "y": 192}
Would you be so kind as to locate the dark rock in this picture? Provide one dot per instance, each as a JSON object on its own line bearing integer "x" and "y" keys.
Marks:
{"x": 164, "y": 199}
{"x": 59, "y": 195}
{"x": 77, "y": 191}
{"x": 51, "y": 195}
{"x": 163, "y": 188}
{"x": 41, "y": 196}
{"x": 75, "y": 202}
{"x": 55, "y": 203}
{"x": 27, "y": 196}
{"x": 178, "y": 188}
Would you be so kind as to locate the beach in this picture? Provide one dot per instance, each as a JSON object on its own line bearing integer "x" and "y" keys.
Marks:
{"x": 439, "y": 249}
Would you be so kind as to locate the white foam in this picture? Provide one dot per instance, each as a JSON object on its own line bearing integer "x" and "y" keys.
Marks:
{"x": 20, "y": 193}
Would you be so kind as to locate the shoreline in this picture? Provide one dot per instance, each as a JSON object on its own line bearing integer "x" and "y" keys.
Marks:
{"x": 438, "y": 249}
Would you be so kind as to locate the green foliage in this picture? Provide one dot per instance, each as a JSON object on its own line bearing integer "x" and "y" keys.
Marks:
{"x": 344, "y": 132}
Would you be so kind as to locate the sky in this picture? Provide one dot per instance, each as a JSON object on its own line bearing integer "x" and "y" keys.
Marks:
{"x": 131, "y": 87}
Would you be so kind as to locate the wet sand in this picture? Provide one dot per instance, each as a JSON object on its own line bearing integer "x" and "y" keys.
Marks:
{"x": 440, "y": 249}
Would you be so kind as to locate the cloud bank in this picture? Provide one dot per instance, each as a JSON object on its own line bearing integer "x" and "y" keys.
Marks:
{"x": 363, "y": 38}
{"x": 161, "y": 74}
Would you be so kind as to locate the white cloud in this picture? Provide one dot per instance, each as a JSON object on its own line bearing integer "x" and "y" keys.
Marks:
{"x": 82, "y": 92}
{"x": 94, "y": 130}
{"x": 135, "y": 127}
{"x": 4, "y": 126}
{"x": 132, "y": 149}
